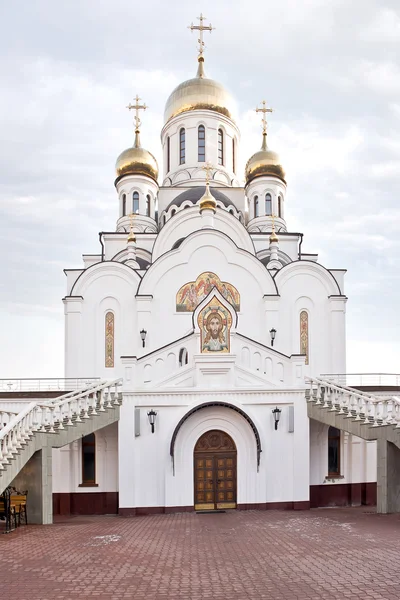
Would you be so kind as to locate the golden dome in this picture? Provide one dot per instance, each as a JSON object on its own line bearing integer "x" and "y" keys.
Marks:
{"x": 265, "y": 162}
{"x": 273, "y": 237}
{"x": 199, "y": 93}
{"x": 136, "y": 161}
{"x": 207, "y": 201}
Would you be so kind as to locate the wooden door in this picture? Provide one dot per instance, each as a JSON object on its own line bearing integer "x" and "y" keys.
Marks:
{"x": 215, "y": 471}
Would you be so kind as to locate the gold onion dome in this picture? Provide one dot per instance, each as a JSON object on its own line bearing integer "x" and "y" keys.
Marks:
{"x": 207, "y": 201}
{"x": 199, "y": 93}
{"x": 273, "y": 237}
{"x": 136, "y": 161}
{"x": 265, "y": 162}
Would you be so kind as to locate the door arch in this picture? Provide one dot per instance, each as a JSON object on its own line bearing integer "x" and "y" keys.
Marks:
{"x": 215, "y": 466}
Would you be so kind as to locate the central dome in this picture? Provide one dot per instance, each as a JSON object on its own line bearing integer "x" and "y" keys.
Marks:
{"x": 199, "y": 93}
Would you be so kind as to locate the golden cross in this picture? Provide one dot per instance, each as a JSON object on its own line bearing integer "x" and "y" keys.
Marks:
{"x": 131, "y": 236}
{"x": 264, "y": 110}
{"x": 136, "y": 107}
{"x": 208, "y": 168}
{"x": 201, "y": 28}
{"x": 273, "y": 222}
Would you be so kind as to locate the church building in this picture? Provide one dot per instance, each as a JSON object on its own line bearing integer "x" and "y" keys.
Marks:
{"x": 203, "y": 301}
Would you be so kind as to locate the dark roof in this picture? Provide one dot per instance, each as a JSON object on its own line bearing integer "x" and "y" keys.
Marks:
{"x": 195, "y": 193}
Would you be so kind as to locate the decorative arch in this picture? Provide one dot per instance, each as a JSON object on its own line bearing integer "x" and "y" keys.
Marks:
{"x": 219, "y": 404}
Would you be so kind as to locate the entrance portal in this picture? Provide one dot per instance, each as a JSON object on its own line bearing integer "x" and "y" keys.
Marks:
{"x": 215, "y": 460}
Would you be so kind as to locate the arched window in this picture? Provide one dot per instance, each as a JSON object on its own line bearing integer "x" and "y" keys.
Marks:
{"x": 183, "y": 357}
{"x": 148, "y": 205}
{"x": 182, "y": 146}
{"x": 165, "y": 219}
{"x": 89, "y": 460}
{"x": 256, "y": 207}
{"x": 268, "y": 204}
{"x": 201, "y": 143}
{"x": 304, "y": 349}
{"x": 279, "y": 206}
{"x": 109, "y": 340}
{"x": 173, "y": 211}
{"x": 220, "y": 147}
{"x": 233, "y": 156}
{"x": 168, "y": 155}
{"x": 135, "y": 203}
{"x": 123, "y": 205}
{"x": 333, "y": 452}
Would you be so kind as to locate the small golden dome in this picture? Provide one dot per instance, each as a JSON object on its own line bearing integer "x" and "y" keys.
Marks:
{"x": 136, "y": 161}
{"x": 273, "y": 237}
{"x": 265, "y": 162}
{"x": 207, "y": 201}
{"x": 199, "y": 93}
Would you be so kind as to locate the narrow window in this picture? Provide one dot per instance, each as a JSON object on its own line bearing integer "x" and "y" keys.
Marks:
{"x": 123, "y": 205}
{"x": 201, "y": 143}
{"x": 220, "y": 147}
{"x": 182, "y": 146}
{"x": 279, "y": 206}
{"x": 304, "y": 334}
{"x": 183, "y": 357}
{"x": 173, "y": 211}
{"x": 89, "y": 459}
{"x": 168, "y": 155}
{"x": 233, "y": 156}
{"x": 109, "y": 340}
{"x": 135, "y": 203}
{"x": 268, "y": 204}
{"x": 333, "y": 452}
{"x": 148, "y": 202}
{"x": 256, "y": 206}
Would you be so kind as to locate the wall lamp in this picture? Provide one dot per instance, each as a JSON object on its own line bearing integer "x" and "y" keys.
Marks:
{"x": 143, "y": 334}
{"x": 152, "y": 419}
{"x": 272, "y": 333}
{"x": 277, "y": 415}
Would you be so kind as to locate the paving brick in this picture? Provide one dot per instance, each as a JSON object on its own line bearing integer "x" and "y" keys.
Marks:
{"x": 324, "y": 554}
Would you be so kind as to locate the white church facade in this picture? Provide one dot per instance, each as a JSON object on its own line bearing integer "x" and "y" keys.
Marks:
{"x": 202, "y": 299}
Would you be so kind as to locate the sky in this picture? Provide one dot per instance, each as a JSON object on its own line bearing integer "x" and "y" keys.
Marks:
{"x": 329, "y": 68}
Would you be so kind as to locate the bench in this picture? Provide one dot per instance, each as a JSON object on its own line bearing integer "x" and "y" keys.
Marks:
{"x": 13, "y": 508}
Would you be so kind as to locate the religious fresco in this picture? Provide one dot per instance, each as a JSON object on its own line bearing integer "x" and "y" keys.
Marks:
{"x": 215, "y": 323}
{"x": 304, "y": 334}
{"x": 191, "y": 294}
{"x": 109, "y": 340}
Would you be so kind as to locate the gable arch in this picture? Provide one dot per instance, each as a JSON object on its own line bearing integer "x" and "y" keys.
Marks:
{"x": 310, "y": 268}
{"x": 94, "y": 272}
{"x": 223, "y": 246}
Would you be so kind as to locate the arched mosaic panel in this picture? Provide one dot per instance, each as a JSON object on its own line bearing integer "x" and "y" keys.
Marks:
{"x": 109, "y": 340}
{"x": 304, "y": 334}
{"x": 192, "y": 293}
{"x": 215, "y": 323}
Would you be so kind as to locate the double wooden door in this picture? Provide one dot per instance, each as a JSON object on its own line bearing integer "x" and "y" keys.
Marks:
{"x": 215, "y": 459}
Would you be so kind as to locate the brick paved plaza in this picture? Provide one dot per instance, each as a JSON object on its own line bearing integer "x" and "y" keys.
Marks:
{"x": 327, "y": 554}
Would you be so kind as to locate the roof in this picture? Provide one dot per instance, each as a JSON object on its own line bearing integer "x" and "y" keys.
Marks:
{"x": 195, "y": 193}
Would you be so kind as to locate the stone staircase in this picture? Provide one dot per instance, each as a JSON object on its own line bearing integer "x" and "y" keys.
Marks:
{"x": 54, "y": 423}
{"x": 368, "y": 417}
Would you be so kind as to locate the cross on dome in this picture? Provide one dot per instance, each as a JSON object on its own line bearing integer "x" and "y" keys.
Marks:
{"x": 208, "y": 168}
{"x": 264, "y": 110}
{"x": 201, "y": 28}
{"x": 136, "y": 107}
{"x": 131, "y": 236}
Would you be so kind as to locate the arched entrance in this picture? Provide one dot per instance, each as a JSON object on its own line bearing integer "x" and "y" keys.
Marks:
{"x": 215, "y": 460}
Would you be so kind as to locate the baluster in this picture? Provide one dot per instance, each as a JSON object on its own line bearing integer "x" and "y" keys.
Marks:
{"x": 342, "y": 403}
{"x": 376, "y": 413}
{"x": 77, "y": 410}
{"x": 51, "y": 430}
{"x": 101, "y": 401}
{"x": 116, "y": 395}
{"x": 396, "y": 414}
{"x": 85, "y": 407}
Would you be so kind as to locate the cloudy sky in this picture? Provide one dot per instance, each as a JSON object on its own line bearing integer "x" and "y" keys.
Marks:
{"x": 331, "y": 70}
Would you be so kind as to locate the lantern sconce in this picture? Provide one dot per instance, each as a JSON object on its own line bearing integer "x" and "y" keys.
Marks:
{"x": 277, "y": 415}
{"x": 272, "y": 333}
{"x": 143, "y": 334}
{"x": 152, "y": 419}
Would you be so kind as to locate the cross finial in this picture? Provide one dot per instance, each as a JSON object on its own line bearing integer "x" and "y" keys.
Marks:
{"x": 208, "y": 168}
{"x": 136, "y": 107}
{"x": 200, "y": 28}
{"x": 264, "y": 110}
{"x": 131, "y": 236}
